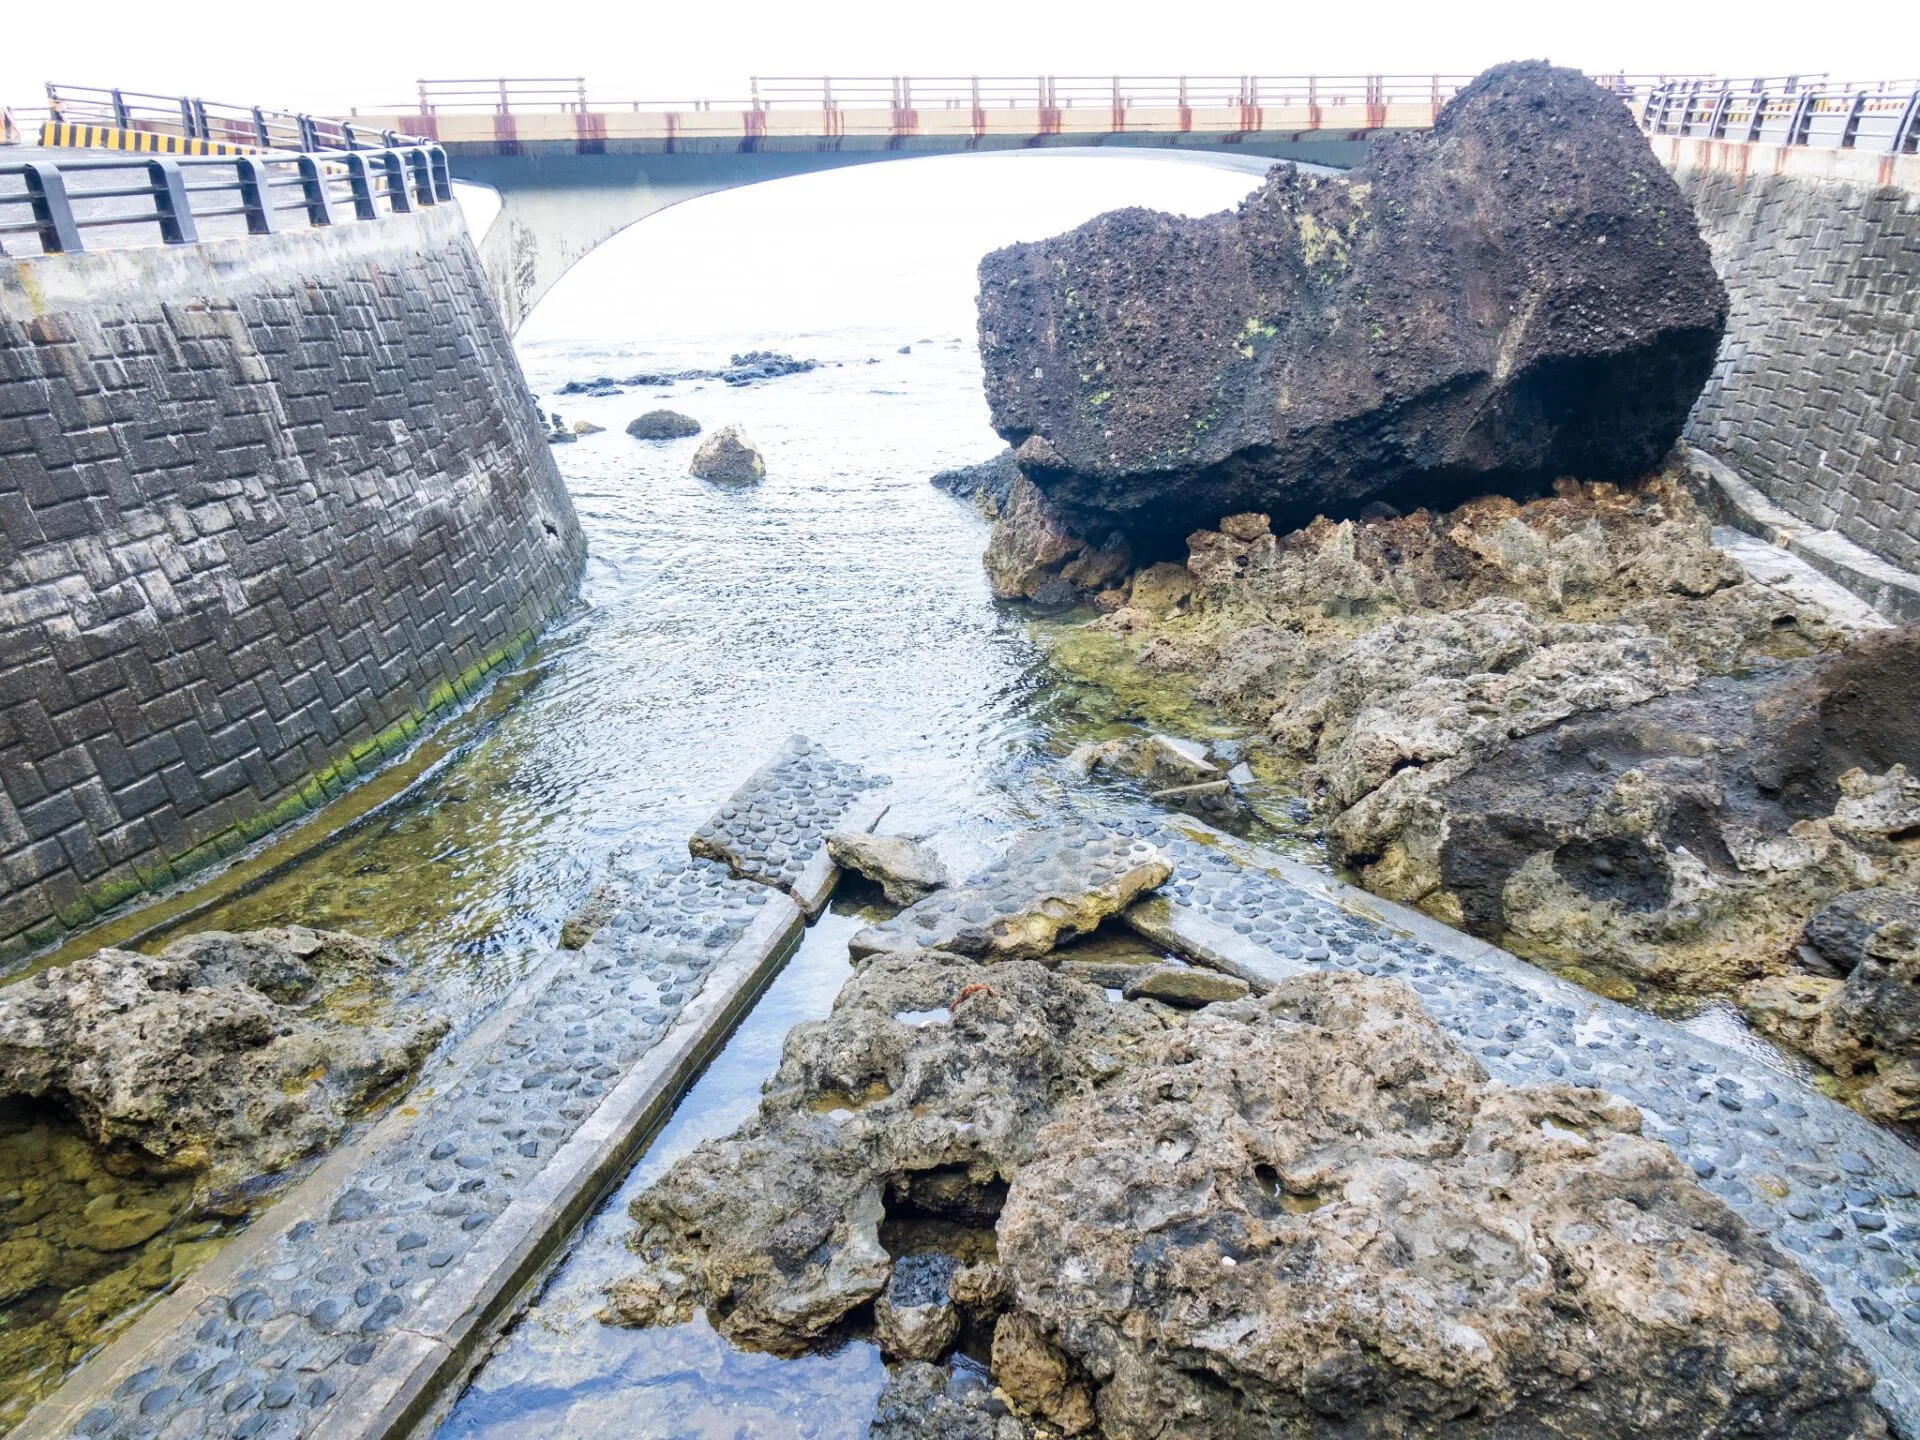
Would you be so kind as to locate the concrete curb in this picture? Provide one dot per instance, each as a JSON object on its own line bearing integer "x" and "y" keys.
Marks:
{"x": 1894, "y": 592}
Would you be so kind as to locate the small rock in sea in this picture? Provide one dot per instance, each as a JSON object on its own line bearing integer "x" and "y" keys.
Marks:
{"x": 663, "y": 425}
{"x": 1184, "y": 985}
{"x": 906, "y": 350}
{"x": 728, "y": 454}
{"x": 561, "y": 437}
{"x": 905, "y": 869}
{"x": 587, "y": 427}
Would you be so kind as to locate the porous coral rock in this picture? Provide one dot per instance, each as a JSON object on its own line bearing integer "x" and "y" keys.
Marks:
{"x": 775, "y": 1231}
{"x": 227, "y": 1055}
{"x": 1312, "y": 1215}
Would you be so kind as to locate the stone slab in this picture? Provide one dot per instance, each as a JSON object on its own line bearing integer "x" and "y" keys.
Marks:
{"x": 363, "y": 1293}
{"x": 1820, "y": 1181}
{"x": 1073, "y": 875}
{"x": 773, "y": 828}
{"x": 1205, "y": 942}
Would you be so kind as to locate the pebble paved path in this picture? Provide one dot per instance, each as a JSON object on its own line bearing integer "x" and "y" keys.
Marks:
{"x": 1817, "y": 1178}
{"x": 277, "y": 1352}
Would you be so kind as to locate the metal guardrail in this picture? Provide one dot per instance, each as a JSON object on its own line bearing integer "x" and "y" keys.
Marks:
{"x": 197, "y": 119}
{"x": 1883, "y": 117}
{"x": 322, "y": 188}
{"x": 570, "y": 95}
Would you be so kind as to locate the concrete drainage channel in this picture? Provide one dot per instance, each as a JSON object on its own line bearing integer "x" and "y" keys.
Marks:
{"x": 357, "y": 1304}
{"x": 354, "y": 1304}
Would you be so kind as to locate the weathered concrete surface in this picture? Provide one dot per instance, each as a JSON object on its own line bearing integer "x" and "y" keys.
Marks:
{"x": 266, "y": 505}
{"x": 1516, "y": 296}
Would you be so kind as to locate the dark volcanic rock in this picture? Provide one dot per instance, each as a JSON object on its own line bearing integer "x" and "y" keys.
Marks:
{"x": 1518, "y": 295}
{"x": 987, "y": 484}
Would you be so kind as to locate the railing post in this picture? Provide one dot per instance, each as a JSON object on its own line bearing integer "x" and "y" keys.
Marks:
{"x": 256, "y": 194}
{"x": 47, "y": 195}
{"x": 1908, "y": 127}
{"x": 423, "y": 97}
{"x": 581, "y": 81}
{"x": 1801, "y": 118}
{"x": 200, "y": 119}
{"x": 1759, "y": 121}
{"x": 53, "y": 102}
{"x": 186, "y": 117}
{"x": 313, "y": 189}
{"x": 360, "y": 184}
{"x": 422, "y": 172}
{"x": 753, "y": 88}
{"x": 442, "y": 173}
{"x": 398, "y": 200}
{"x": 171, "y": 203}
{"x": 260, "y": 135}
{"x": 826, "y": 92}
{"x": 503, "y": 97}
{"x": 120, "y": 111}
{"x": 1851, "y": 132}
{"x": 1717, "y": 120}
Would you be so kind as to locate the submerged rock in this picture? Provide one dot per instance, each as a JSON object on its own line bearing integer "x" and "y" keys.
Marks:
{"x": 1313, "y": 1215}
{"x": 1517, "y": 295}
{"x": 1051, "y": 886}
{"x": 904, "y": 869}
{"x": 663, "y": 425}
{"x": 227, "y": 1056}
{"x": 930, "y": 1402}
{"x": 729, "y": 455}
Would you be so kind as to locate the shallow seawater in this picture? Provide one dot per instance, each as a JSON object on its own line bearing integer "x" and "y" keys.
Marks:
{"x": 841, "y": 597}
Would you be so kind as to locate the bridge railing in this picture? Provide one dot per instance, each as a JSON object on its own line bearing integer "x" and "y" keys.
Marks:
{"x": 1883, "y": 117}
{"x": 173, "y": 198}
{"x": 196, "y": 119}
{"x": 570, "y": 94}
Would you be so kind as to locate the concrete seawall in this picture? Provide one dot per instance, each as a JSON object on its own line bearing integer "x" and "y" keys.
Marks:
{"x": 1815, "y": 400}
{"x": 266, "y": 506}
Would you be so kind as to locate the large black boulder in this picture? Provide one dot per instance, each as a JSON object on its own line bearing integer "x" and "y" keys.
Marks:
{"x": 1518, "y": 294}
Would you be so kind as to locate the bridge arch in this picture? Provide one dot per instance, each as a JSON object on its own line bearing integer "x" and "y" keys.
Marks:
{"x": 557, "y": 207}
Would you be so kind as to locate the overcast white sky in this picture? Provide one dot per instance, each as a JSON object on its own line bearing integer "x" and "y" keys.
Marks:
{"x": 328, "y": 57}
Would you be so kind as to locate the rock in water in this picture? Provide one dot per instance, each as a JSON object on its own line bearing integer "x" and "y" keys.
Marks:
{"x": 728, "y": 454}
{"x": 1519, "y": 294}
{"x": 1050, "y": 887}
{"x": 228, "y": 1055}
{"x": 663, "y": 425}
{"x": 1312, "y": 1215}
{"x": 905, "y": 869}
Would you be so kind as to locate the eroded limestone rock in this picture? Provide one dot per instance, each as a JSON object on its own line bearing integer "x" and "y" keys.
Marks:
{"x": 663, "y": 425}
{"x": 1868, "y": 1023}
{"x": 904, "y": 869}
{"x": 1051, "y": 886}
{"x": 1036, "y": 553}
{"x": 727, "y": 454}
{"x": 1312, "y": 1215}
{"x": 877, "y": 1113}
{"x": 226, "y": 1056}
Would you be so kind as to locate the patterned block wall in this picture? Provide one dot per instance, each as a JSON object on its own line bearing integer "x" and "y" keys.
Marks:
{"x": 1816, "y": 397}
{"x": 266, "y": 506}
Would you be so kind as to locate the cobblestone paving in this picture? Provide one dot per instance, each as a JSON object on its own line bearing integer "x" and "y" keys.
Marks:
{"x": 267, "y": 1358}
{"x": 1814, "y": 1176}
{"x": 778, "y": 820}
{"x": 1070, "y": 861}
